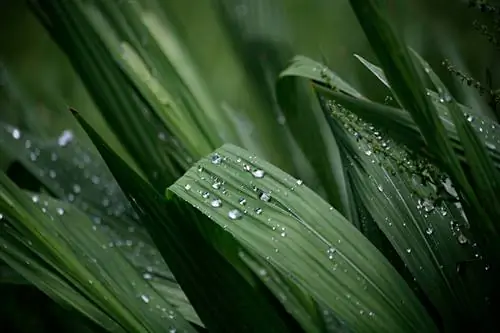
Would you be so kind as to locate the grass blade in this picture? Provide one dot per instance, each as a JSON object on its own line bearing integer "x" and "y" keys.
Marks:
{"x": 319, "y": 146}
{"x": 80, "y": 255}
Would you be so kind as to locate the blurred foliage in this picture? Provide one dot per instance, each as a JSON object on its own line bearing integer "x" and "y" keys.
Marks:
{"x": 320, "y": 29}
{"x": 31, "y": 65}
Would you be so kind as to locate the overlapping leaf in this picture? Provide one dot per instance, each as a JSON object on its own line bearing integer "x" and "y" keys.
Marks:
{"x": 77, "y": 257}
{"x": 281, "y": 220}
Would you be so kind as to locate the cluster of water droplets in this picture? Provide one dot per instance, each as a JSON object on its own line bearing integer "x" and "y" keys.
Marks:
{"x": 218, "y": 190}
{"x": 80, "y": 177}
{"x": 261, "y": 204}
{"x": 430, "y": 188}
{"x": 487, "y": 130}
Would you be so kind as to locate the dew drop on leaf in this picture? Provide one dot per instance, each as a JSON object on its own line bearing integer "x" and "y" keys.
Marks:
{"x": 264, "y": 196}
{"x": 187, "y": 187}
{"x": 429, "y": 231}
{"x": 16, "y": 134}
{"x": 205, "y": 195}
{"x": 216, "y": 159}
{"x": 145, "y": 298}
{"x": 258, "y": 173}
{"x": 60, "y": 210}
{"x": 234, "y": 214}
{"x": 462, "y": 239}
{"x": 242, "y": 201}
{"x": 65, "y": 138}
{"x": 216, "y": 203}
{"x": 258, "y": 211}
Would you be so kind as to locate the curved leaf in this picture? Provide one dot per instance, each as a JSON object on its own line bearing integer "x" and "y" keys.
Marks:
{"x": 281, "y": 220}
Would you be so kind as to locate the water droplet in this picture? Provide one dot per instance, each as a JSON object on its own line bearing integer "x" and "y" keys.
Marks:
{"x": 330, "y": 252}
{"x": 16, "y": 134}
{"x": 187, "y": 187}
{"x": 52, "y": 174}
{"x": 145, "y": 298}
{"x": 429, "y": 230}
{"x": 470, "y": 118}
{"x": 462, "y": 239}
{"x": 258, "y": 173}
{"x": 380, "y": 188}
{"x": 65, "y": 138}
{"x": 283, "y": 234}
{"x": 147, "y": 276}
{"x": 77, "y": 189}
{"x": 265, "y": 196}
{"x": 205, "y": 195}
{"x": 490, "y": 145}
{"x": 216, "y": 185}
{"x": 35, "y": 198}
{"x": 242, "y": 201}
{"x": 60, "y": 210}
{"x": 408, "y": 250}
{"x": 95, "y": 180}
{"x": 234, "y": 214}
{"x": 216, "y": 203}
{"x": 299, "y": 182}
{"x": 247, "y": 167}
{"x": 368, "y": 152}
{"x": 258, "y": 211}
{"x": 216, "y": 159}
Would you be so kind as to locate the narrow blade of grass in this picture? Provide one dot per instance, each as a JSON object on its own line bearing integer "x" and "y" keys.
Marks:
{"x": 83, "y": 258}
{"x": 319, "y": 145}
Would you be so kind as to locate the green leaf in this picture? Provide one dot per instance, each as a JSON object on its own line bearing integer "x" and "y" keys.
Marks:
{"x": 482, "y": 173}
{"x": 377, "y": 71}
{"x": 130, "y": 113}
{"x": 223, "y": 298}
{"x": 78, "y": 175}
{"x": 319, "y": 145}
{"x": 308, "y": 241}
{"x": 77, "y": 262}
{"x": 402, "y": 201}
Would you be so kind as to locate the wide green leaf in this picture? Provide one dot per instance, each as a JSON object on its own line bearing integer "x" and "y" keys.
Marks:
{"x": 284, "y": 222}
{"x": 224, "y": 299}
